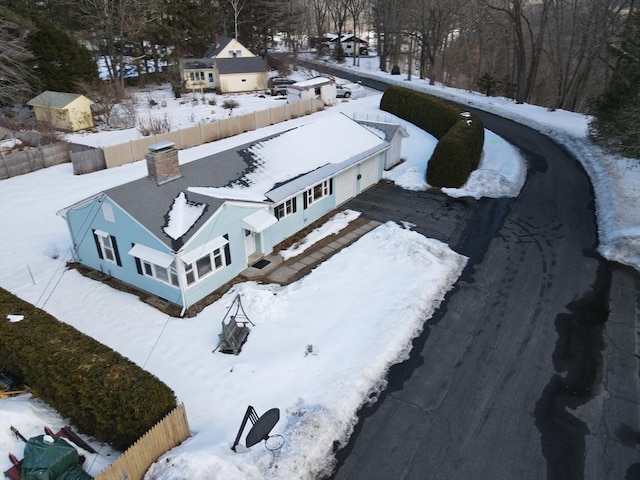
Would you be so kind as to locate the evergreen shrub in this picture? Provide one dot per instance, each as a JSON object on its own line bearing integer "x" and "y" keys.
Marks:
{"x": 460, "y": 137}
{"x": 104, "y": 394}
{"x": 457, "y": 154}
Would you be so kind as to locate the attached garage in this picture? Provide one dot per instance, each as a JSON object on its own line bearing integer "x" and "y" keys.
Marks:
{"x": 369, "y": 173}
{"x": 356, "y": 179}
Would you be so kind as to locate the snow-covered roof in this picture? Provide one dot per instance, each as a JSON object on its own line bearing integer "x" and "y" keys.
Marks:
{"x": 264, "y": 171}
{"x": 346, "y": 37}
{"x": 53, "y": 99}
{"x": 387, "y": 130}
{"x": 312, "y": 82}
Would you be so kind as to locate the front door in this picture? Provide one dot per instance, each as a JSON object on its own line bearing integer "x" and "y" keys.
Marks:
{"x": 249, "y": 242}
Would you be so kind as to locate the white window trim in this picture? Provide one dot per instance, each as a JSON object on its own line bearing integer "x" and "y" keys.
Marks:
{"x": 170, "y": 271}
{"x": 106, "y": 245}
{"x": 287, "y": 208}
{"x": 192, "y": 267}
{"x": 150, "y": 255}
{"x": 202, "y": 251}
{"x": 310, "y": 193}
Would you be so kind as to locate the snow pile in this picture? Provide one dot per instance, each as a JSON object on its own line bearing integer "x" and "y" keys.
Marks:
{"x": 338, "y": 222}
{"x": 501, "y": 172}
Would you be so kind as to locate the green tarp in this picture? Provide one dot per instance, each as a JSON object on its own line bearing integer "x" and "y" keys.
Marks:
{"x": 51, "y": 459}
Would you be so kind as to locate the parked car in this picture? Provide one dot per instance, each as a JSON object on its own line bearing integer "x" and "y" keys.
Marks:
{"x": 278, "y": 85}
{"x": 342, "y": 91}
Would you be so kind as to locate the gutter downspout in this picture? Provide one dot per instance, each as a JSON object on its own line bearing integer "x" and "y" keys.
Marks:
{"x": 180, "y": 271}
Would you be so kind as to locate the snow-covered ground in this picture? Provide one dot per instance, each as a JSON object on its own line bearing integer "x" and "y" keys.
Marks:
{"x": 294, "y": 358}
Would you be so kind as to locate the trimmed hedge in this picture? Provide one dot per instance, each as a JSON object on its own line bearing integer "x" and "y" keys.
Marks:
{"x": 460, "y": 135}
{"x": 103, "y": 393}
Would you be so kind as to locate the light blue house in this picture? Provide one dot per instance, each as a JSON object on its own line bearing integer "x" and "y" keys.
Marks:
{"x": 185, "y": 230}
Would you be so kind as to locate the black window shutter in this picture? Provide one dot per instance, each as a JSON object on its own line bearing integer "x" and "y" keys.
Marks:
{"x": 304, "y": 200}
{"x": 138, "y": 264}
{"x": 98, "y": 247}
{"x": 331, "y": 186}
{"x": 227, "y": 251}
{"x": 115, "y": 250}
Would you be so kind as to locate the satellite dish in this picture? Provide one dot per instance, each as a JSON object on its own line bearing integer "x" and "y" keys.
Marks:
{"x": 261, "y": 429}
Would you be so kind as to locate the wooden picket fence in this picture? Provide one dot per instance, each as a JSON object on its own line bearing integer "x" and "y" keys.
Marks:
{"x": 135, "y": 150}
{"x": 168, "y": 433}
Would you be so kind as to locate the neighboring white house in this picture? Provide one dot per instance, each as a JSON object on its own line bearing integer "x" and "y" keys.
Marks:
{"x": 323, "y": 88}
{"x": 349, "y": 44}
{"x": 227, "y": 66}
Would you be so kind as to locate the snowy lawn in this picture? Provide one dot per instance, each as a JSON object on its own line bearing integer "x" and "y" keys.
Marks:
{"x": 320, "y": 346}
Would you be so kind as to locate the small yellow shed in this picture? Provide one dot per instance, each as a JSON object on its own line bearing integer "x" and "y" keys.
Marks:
{"x": 63, "y": 111}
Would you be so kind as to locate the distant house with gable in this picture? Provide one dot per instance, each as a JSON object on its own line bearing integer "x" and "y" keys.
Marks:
{"x": 184, "y": 231}
{"x": 349, "y": 43}
{"x": 227, "y": 66}
{"x": 63, "y": 111}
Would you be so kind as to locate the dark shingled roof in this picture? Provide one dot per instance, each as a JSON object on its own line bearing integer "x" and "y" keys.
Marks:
{"x": 240, "y": 65}
{"x": 149, "y": 203}
{"x": 214, "y": 49}
{"x": 192, "y": 63}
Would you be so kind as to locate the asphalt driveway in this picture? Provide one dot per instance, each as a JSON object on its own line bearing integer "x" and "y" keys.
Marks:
{"x": 529, "y": 370}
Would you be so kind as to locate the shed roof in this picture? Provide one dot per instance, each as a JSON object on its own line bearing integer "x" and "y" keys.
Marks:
{"x": 312, "y": 82}
{"x": 53, "y": 99}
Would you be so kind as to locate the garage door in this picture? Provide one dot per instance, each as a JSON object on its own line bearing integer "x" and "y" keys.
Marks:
{"x": 369, "y": 172}
{"x": 344, "y": 185}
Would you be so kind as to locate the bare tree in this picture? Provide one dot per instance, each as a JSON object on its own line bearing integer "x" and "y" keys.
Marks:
{"x": 15, "y": 77}
{"x": 388, "y": 17}
{"x": 114, "y": 24}
{"x": 339, "y": 13}
{"x": 577, "y": 47}
{"x": 356, "y": 8}
{"x": 292, "y": 18}
{"x": 513, "y": 10}
{"x": 237, "y": 6}
{"x": 319, "y": 15}
{"x": 429, "y": 25}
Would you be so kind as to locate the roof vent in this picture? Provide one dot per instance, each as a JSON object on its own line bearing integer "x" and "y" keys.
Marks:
{"x": 162, "y": 162}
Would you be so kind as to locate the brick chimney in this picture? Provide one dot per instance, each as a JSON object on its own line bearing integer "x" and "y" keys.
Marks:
{"x": 216, "y": 40}
{"x": 162, "y": 162}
